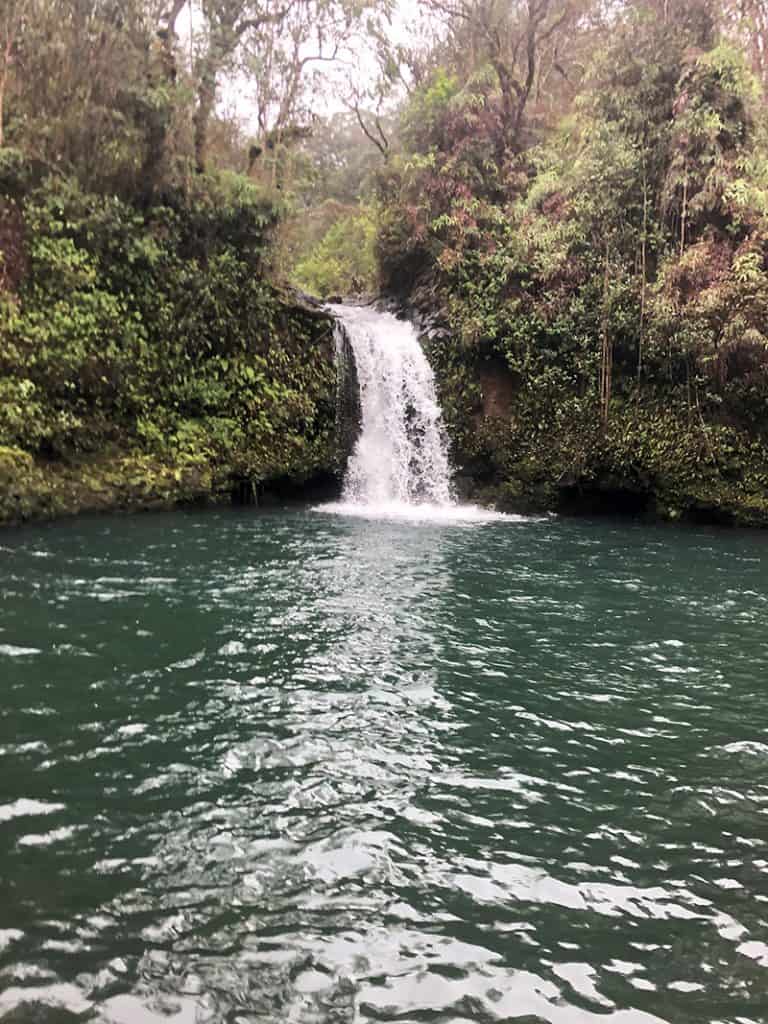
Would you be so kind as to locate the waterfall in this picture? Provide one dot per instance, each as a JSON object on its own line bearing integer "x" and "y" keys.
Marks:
{"x": 399, "y": 466}
{"x": 400, "y": 458}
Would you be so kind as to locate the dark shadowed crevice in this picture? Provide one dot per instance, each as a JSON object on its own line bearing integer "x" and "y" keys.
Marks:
{"x": 281, "y": 490}
{"x": 605, "y": 501}
{"x": 709, "y": 515}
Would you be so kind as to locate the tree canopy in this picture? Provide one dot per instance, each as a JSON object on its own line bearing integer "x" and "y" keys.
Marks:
{"x": 577, "y": 191}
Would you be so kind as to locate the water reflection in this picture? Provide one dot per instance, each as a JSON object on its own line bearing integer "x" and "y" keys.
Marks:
{"x": 324, "y": 684}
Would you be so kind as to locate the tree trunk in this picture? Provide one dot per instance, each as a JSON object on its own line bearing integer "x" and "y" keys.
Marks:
{"x": 206, "y": 99}
{"x": 7, "y": 58}
{"x": 276, "y": 157}
{"x": 508, "y": 106}
{"x": 606, "y": 357}
{"x": 158, "y": 118}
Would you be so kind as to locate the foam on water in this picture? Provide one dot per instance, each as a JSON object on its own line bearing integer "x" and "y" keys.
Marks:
{"x": 419, "y": 512}
{"x": 399, "y": 468}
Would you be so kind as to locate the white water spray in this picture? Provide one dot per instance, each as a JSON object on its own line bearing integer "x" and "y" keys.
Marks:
{"x": 401, "y": 454}
{"x": 399, "y": 466}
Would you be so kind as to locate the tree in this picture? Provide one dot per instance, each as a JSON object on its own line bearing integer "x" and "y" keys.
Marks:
{"x": 368, "y": 108}
{"x": 514, "y": 38}
{"x": 12, "y": 14}
{"x": 161, "y": 85}
{"x": 227, "y": 23}
{"x": 277, "y": 47}
{"x": 80, "y": 87}
{"x": 292, "y": 65}
{"x": 337, "y": 161}
{"x": 746, "y": 21}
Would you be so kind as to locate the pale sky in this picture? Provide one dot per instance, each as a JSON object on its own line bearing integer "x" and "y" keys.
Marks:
{"x": 234, "y": 92}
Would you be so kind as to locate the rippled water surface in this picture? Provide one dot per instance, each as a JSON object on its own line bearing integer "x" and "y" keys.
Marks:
{"x": 308, "y": 768}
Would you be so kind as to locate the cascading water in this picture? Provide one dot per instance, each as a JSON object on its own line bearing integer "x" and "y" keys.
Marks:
{"x": 399, "y": 465}
{"x": 401, "y": 453}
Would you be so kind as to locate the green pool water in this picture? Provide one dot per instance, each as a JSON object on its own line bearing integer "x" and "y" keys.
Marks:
{"x": 300, "y": 767}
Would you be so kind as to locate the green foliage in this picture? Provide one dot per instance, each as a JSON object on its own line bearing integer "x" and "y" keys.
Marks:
{"x": 615, "y": 279}
{"x": 336, "y": 163}
{"x": 343, "y": 262}
{"x": 155, "y": 331}
{"x": 604, "y": 275}
{"x": 425, "y": 117}
{"x": 712, "y": 132}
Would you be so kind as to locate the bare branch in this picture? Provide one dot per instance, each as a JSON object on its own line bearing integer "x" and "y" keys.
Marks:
{"x": 381, "y": 143}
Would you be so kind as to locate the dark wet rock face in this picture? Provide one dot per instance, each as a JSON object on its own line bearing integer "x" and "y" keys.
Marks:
{"x": 348, "y": 412}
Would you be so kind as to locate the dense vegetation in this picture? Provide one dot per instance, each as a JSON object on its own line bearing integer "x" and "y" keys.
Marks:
{"x": 595, "y": 252}
{"x": 572, "y": 196}
{"x": 148, "y": 351}
{"x": 146, "y": 356}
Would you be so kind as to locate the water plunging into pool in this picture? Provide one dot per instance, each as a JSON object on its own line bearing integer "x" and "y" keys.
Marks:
{"x": 399, "y": 466}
